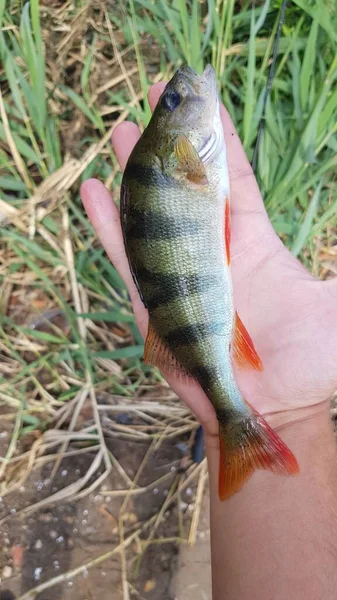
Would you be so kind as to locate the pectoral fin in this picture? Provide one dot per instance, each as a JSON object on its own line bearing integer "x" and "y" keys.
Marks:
{"x": 244, "y": 352}
{"x": 189, "y": 161}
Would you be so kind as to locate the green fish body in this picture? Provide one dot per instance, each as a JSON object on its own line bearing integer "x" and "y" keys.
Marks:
{"x": 176, "y": 225}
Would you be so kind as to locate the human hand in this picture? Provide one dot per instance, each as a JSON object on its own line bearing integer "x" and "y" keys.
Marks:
{"x": 290, "y": 315}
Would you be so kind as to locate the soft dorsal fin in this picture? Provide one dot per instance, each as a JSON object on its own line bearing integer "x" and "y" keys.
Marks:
{"x": 189, "y": 161}
{"x": 244, "y": 352}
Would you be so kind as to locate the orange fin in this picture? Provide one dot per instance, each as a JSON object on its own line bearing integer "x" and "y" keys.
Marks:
{"x": 247, "y": 445}
{"x": 228, "y": 231}
{"x": 244, "y": 352}
{"x": 157, "y": 354}
{"x": 190, "y": 161}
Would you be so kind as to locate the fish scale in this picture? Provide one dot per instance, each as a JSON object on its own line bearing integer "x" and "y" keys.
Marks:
{"x": 176, "y": 225}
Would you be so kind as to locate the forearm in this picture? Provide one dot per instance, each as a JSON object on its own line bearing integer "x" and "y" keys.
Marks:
{"x": 277, "y": 538}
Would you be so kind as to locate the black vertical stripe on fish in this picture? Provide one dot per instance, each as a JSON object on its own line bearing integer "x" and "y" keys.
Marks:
{"x": 161, "y": 288}
{"x": 124, "y": 200}
{"x": 193, "y": 333}
{"x": 158, "y": 226}
{"x": 150, "y": 176}
{"x": 205, "y": 375}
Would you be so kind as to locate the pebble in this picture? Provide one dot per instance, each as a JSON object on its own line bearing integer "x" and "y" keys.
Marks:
{"x": 37, "y": 573}
{"x": 56, "y": 565}
{"x": 64, "y": 473}
{"x": 38, "y": 545}
{"x": 85, "y": 512}
{"x": 189, "y": 491}
{"x": 53, "y": 534}
{"x": 60, "y": 539}
{"x": 155, "y": 491}
{"x": 7, "y": 572}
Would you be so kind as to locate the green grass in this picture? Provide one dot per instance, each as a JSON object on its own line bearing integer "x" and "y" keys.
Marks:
{"x": 56, "y": 112}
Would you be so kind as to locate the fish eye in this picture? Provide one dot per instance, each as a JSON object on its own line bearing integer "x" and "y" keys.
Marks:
{"x": 171, "y": 100}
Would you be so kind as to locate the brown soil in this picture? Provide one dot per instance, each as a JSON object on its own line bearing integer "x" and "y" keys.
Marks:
{"x": 56, "y": 539}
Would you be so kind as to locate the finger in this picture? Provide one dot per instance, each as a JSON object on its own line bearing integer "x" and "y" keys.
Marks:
{"x": 155, "y": 92}
{"x": 124, "y": 137}
{"x": 104, "y": 216}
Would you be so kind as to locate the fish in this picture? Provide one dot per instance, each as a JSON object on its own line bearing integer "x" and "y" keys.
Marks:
{"x": 176, "y": 223}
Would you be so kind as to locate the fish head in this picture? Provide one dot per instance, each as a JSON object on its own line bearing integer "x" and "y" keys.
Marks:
{"x": 189, "y": 106}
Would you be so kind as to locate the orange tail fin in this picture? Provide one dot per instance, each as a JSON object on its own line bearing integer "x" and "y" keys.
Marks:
{"x": 246, "y": 445}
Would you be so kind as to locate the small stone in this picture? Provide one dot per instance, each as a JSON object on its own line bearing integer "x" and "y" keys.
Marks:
{"x": 37, "y": 573}
{"x": 53, "y": 534}
{"x": 13, "y": 511}
{"x": 46, "y": 517}
{"x": 85, "y": 512}
{"x": 60, "y": 539}
{"x": 84, "y": 522}
{"x": 56, "y": 565}
{"x": 7, "y": 572}
{"x": 98, "y": 498}
{"x": 64, "y": 473}
{"x": 189, "y": 491}
{"x": 155, "y": 491}
{"x": 183, "y": 505}
{"x": 149, "y": 585}
{"x": 38, "y": 545}
{"x": 77, "y": 472}
{"x": 70, "y": 584}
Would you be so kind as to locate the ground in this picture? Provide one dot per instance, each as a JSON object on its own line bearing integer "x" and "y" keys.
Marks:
{"x": 59, "y": 538}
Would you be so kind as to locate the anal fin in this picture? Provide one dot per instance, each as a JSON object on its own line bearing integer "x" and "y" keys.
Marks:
{"x": 244, "y": 352}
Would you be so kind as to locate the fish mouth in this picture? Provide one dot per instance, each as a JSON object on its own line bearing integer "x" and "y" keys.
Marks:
{"x": 204, "y": 84}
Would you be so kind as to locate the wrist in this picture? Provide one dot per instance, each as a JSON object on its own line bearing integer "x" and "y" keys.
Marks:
{"x": 277, "y": 534}
{"x": 309, "y": 435}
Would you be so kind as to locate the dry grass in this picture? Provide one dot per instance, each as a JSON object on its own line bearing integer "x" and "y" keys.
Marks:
{"x": 70, "y": 352}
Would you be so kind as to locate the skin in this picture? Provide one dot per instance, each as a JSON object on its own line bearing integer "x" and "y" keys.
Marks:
{"x": 258, "y": 535}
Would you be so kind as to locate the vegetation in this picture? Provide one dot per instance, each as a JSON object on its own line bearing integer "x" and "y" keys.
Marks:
{"x": 69, "y": 72}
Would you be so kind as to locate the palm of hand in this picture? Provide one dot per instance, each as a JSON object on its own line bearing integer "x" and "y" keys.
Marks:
{"x": 289, "y": 314}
